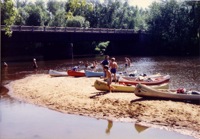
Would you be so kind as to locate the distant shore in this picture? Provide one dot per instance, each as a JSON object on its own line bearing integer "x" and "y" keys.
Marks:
{"x": 78, "y": 96}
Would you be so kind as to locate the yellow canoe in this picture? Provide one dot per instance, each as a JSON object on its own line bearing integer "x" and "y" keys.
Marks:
{"x": 102, "y": 86}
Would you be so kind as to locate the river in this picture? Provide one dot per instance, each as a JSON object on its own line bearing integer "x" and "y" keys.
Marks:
{"x": 21, "y": 120}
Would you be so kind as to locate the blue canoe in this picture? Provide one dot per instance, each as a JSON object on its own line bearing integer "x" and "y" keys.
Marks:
{"x": 89, "y": 73}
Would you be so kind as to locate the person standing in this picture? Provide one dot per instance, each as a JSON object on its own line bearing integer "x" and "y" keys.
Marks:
{"x": 5, "y": 64}
{"x": 113, "y": 68}
{"x": 35, "y": 66}
{"x": 127, "y": 62}
{"x": 104, "y": 63}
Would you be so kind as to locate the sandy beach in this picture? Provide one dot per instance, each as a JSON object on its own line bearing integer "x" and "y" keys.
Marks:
{"x": 78, "y": 96}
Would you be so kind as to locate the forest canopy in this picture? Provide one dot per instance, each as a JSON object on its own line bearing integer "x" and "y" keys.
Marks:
{"x": 170, "y": 23}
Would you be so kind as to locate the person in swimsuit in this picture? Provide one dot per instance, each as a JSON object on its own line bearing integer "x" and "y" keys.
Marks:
{"x": 113, "y": 68}
{"x": 108, "y": 77}
{"x": 105, "y": 62}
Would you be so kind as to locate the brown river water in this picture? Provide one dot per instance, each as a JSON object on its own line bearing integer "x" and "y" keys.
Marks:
{"x": 20, "y": 120}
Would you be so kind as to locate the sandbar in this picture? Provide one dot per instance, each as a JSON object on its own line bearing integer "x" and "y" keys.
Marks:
{"x": 78, "y": 96}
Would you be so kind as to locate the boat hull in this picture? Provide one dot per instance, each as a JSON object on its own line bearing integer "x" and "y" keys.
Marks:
{"x": 93, "y": 74}
{"x": 135, "y": 81}
{"x": 145, "y": 91}
{"x": 55, "y": 73}
{"x": 102, "y": 86}
{"x": 76, "y": 73}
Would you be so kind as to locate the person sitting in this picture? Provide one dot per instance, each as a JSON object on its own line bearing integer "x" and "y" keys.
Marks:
{"x": 93, "y": 65}
{"x": 108, "y": 77}
{"x": 75, "y": 68}
{"x": 86, "y": 64}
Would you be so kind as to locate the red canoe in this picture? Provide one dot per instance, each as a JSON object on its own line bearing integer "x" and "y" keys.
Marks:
{"x": 76, "y": 73}
{"x": 149, "y": 81}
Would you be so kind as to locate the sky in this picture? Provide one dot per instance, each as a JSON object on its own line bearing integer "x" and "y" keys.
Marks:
{"x": 139, "y": 3}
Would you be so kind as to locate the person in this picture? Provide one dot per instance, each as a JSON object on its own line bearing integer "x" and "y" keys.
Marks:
{"x": 75, "y": 68}
{"x": 127, "y": 62}
{"x": 105, "y": 62}
{"x": 108, "y": 76}
{"x": 5, "y": 64}
{"x": 93, "y": 65}
{"x": 35, "y": 66}
{"x": 86, "y": 64}
{"x": 113, "y": 68}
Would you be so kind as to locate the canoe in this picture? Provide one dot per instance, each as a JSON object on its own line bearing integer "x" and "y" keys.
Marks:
{"x": 145, "y": 91}
{"x": 102, "y": 86}
{"x": 76, "y": 73}
{"x": 55, "y": 73}
{"x": 142, "y": 76}
{"x": 89, "y": 73}
{"x": 147, "y": 81}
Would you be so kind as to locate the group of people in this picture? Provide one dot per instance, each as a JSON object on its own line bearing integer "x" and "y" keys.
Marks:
{"x": 110, "y": 68}
{"x": 87, "y": 65}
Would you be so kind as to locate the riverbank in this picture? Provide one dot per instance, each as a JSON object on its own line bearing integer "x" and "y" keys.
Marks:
{"x": 77, "y": 96}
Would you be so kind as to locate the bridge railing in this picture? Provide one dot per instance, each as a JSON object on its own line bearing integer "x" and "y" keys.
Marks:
{"x": 67, "y": 29}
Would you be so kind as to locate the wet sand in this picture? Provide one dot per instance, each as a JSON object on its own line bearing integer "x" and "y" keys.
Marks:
{"x": 77, "y": 96}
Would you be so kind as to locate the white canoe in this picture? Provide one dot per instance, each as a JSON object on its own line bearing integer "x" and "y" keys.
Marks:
{"x": 57, "y": 73}
{"x": 146, "y": 91}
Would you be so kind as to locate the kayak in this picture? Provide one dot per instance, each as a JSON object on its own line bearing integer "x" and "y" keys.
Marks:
{"x": 56, "y": 73}
{"x": 146, "y": 91}
{"x": 76, "y": 73}
{"x": 102, "y": 86}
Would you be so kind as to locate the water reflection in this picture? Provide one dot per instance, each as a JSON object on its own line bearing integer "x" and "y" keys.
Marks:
{"x": 22, "y": 120}
{"x": 110, "y": 124}
{"x": 140, "y": 128}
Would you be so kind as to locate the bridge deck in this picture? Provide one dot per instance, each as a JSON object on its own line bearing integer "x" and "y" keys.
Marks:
{"x": 69, "y": 29}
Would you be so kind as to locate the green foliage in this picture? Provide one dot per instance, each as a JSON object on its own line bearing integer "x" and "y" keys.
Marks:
{"x": 77, "y": 8}
{"x": 174, "y": 24}
{"x": 8, "y": 15}
{"x": 77, "y": 21}
{"x": 54, "y": 6}
{"x": 59, "y": 19}
{"x": 101, "y": 47}
{"x": 35, "y": 17}
{"x": 21, "y": 17}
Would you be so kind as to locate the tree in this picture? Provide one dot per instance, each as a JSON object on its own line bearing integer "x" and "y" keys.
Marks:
{"x": 174, "y": 26}
{"x": 59, "y": 19}
{"x": 54, "y": 6}
{"x": 77, "y": 8}
{"x": 21, "y": 17}
{"x": 8, "y": 15}
{"x": 34, "y": 18}
{"x": 77, "y": 21}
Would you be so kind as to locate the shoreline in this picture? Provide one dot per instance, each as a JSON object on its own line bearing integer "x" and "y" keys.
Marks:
{"x": 77, "y": 96}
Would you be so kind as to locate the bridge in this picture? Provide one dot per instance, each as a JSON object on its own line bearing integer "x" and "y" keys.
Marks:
{"x": 69, "y": 34}
{"x": 60, "y": 39}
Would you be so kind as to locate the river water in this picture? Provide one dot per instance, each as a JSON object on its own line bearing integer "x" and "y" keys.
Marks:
{"x": 22, "y": 120}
